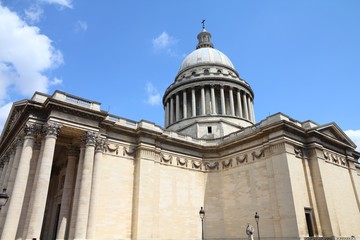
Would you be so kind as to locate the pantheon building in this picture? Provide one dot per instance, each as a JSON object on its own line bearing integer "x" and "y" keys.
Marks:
{"x": 73, "y": 171}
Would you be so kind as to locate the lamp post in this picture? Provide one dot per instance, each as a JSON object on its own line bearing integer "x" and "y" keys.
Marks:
{"x": 257, "y": 217}
{"x": 3, "y": 198}
{"x": 202, "y": 215}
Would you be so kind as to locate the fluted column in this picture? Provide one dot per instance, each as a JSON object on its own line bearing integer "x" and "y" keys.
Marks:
{"x": 177, "y": 103}
{"x": 41, "y": 185}
{"x": 9, "y": 184}
{"x": 167, "y": 112}
{"x": 184, "y": 105}
{"x": 249, "y": 107}
{"x": 238, "y": 96}
{"x": 222, "y": 98}
{"x": 17, "y": 196}
{"x": 171, "y": 110}
{"x": 203, "y": 110}
{"x": 75, "y": 201}
{"x": 232, "y": 106}
{"x": 193, "y": 102}
{"x": 213, "y": 102}
{"x": 85, "y": 187}
{"x": 64, "y": 215}
{"x": 94, "y": 204}
{"x": 246, "y": 116}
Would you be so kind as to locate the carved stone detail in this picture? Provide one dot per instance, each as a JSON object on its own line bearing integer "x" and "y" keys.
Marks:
{"x": 240, "y": 160}
{"x": 90, "y": 138}
{"x": 335, "y": 158}
{"x": 196, "y": 164}
{"x": 256, "y": 155}
{"x": 100, "y": 144}
{"x": 298, "y": 152}
{"x": 166, "y": 159}
{"x": 52, "y": 129}
{"x": 227, "y": 164}
{"x": 31, "y": 130}
{"x": 211, "y": 165}
{"x": 110, "y": 147}
{"x": 182, "y": 162}
{"x": 129, "y": 152}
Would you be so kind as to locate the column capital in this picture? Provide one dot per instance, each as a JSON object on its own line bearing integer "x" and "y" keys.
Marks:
{"x": 100, "y": 144}
{"x": 52, "y": 129}
{"x": 31, "y": 130}
{"x": 90, "y": 138}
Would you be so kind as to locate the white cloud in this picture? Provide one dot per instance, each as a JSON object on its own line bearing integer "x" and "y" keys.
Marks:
{"x": 34, "y": 13}
{"x": 55, "y": 81}
{"x": 25, "y": 54}
{"x": 154, "y": 97}
{"x": 165, "y": 43}
{"x": 62, "y": 3}
{"x": 355, "y": 137}
{"x": 4, "y": 112}
{"x": 81, "y": 26}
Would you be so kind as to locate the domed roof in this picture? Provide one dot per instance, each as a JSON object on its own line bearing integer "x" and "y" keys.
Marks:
{"x": 206, "y": 56}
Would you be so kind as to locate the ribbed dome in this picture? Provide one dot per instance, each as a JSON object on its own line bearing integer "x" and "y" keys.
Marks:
{"x": 206, "y": 56}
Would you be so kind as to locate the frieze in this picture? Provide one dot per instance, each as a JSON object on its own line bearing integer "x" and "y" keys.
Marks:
{"x": 257, "y": 155}
{"x": 168, "y": 159}
{"x": 130, "y": 151}
{"x": 240, "y": 160}
{"x": 335, "y": 158}
{"x": 182, "y": 162}
{"x": 211, "y": 165}
{"x": 196, "y": 164}
{"x": 227, "y": 164}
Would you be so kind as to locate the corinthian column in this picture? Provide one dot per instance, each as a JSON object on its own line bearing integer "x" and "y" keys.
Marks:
{"x": 85, "y": 187}
{"x": 17, "y": 196}
{"x": 41, "y": 185}
{"x": 100, "y": 146}
{"x": 64, "y": 215}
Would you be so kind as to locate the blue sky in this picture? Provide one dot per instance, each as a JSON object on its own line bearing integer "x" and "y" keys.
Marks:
{"x": 301, "y": 58}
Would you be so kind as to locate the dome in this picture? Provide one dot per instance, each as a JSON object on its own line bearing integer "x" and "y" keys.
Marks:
{"x": 206, "y": 56}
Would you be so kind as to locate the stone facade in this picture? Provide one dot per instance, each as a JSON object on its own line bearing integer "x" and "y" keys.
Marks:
{"x": 73, "y": 171}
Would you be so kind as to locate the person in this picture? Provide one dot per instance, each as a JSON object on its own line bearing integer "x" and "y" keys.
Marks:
{"x": 250, "y": 231}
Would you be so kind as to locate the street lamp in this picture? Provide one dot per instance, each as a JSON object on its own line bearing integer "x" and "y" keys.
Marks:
{"x": 257, "y": 217}
{"x": 3, "y": 198}
{"x": 202, "y": 215}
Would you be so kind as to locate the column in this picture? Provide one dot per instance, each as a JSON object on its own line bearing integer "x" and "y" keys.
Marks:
{"x": 222, "y": 98}
{"x": 184, "y": 104}
{"x": 41, "y": 185}
{"x": 3, "y": 174}
{"x": 213, "y": 103}
{"x": 239, "y": 103}
{"x": 232, "y": 106}
{"x": 5, "y": 179}
{"x": 9, "y": 184}
{"x": 64, "y": 215}
{"x": 246, "y": 116}
{"x": 249, "y": 107}
{"x": 177, "y": 103}
{"x": 100, "y": 147}
{"x": 75, "y": 201}
{"x": 203, "y": 110}
{"x": 252, "y": 110}
{"x": 193, "y": 102}
{"x": 17, "y": 196}
{"x": 171, "y": 110}
{"x": 167, "y": 112}
{"x": 85, "y": 188}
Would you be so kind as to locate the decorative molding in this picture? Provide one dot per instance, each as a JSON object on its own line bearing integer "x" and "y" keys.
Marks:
{"x": 130, "y": 151}
{"x": 113, "y": 148}
{"x": 211, "y": 165}
{"x": 256, "y": 155}
{"x": 182, "y": 162}
{"x": 166, "y": 159}
{"x": 196, "y": 164}
{"x": 335, "y": 158}
{"x": 227, "y": 164}
{"x": 298, "y": 152}
{"x": 240, "y": 160}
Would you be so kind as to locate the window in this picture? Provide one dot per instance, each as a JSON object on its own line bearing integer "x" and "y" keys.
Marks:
{"x": 209, "y": 130}
{"x": 309, "y": 221}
